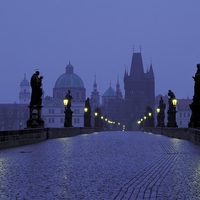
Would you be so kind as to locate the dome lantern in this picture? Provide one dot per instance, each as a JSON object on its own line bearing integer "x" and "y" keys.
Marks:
{"x": 69, "y": 69}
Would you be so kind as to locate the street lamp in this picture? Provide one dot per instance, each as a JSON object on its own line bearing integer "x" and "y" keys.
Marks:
{"x": 172, "y": 110}
{"x": 161, "y": 113}
{"x": 174, "y": 102}
{"x": 68, "y": 112}
{"x": 97, "y": 117}
{"x": 150, "y": 119}
{"x": 87, "y": 113}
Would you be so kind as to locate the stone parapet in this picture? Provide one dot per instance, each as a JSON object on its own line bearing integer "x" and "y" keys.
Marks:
{"x": 190, "y": 134}
{"x": 14, "y": 138}
{"x": 21, "y": 137}
{"x": 69, "y": 131}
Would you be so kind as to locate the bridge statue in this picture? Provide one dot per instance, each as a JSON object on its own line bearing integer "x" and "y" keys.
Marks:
{"x": 195, "y": 105}
{"x": 36, "y": 83}
{"x": 35, "y": 120}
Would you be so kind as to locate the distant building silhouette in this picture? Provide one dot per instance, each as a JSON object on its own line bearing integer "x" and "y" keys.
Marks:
{"x": 95, "y": 96}
{"x": 139, "y": 91}
{"x": 53, "y": 108}
{"x": 24, "y": 94}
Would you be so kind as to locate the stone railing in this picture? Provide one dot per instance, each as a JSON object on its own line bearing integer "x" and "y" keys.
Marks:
{"x": 68, "y": 132}
{"x": 193, "y": 135}
{"x": 21, "y": 137}
{"x": 14, "y": 138}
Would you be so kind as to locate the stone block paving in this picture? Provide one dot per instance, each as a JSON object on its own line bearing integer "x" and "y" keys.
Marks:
{"x": 104, "y": 166}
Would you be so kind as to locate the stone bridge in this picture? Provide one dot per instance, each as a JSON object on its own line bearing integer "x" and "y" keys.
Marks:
{"x": 102, "y": 165}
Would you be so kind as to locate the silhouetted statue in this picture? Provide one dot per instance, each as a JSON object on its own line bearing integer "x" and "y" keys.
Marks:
{"x": 87, "y": 103}
{"x": 69, "y": 98}
{"x": 36, "y": 83}
{"x": 171, "y": 96}
{"x": 162, "y": 105}
{"x": 197, "y": 82}
{"x": 161, "y": 114}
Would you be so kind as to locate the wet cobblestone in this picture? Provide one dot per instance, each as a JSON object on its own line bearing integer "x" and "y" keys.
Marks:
{"x": 105, "y": 165}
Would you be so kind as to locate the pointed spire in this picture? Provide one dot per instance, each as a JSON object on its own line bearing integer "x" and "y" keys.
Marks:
{"x": 117, "y": 85}
{"x": 137, "y": 70}
{"x": 151, "y": 73}
{"x": 95, "y": 83}
{"x": 118, "y": 91}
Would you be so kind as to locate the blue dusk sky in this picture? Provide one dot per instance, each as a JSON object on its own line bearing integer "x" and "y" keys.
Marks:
{"x": 97, "y": 37}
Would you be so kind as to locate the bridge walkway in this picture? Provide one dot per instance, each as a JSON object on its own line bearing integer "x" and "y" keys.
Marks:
{"x": 103, "y": 165}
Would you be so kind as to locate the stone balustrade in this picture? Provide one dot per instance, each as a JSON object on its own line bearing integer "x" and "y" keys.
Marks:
{"x": 14, "y": 138}
{"x": 192, "y": 135}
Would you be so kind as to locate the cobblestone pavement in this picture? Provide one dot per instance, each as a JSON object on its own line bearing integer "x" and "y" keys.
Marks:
{"x": 105, "y": 165}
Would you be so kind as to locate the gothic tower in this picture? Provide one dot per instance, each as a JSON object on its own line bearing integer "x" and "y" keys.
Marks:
{"x": 95, "y": 97}
{"x": 139, "y": 91}
{"x": 24, "y": 94}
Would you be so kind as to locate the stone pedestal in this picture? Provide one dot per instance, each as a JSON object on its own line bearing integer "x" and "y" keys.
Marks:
{"x": 87, "y": 119}
{"x": 68, "y": 117}
{"x": 35, "y": 120}
{"x": 172, "y": 116}
{"x": 160, "y": 120}
{"x": 195, "y": 117}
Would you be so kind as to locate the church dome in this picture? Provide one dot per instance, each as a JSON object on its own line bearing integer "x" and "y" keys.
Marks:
{"x": 69, "y": 79}
{"x": 110, "y": 92}
{"x": 24, "y": 82}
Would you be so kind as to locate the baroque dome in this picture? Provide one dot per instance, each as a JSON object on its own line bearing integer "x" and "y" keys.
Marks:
{"x": 69, "y": 79}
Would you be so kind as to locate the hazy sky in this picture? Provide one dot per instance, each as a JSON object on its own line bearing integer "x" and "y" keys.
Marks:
{"x": 97, "y": 37}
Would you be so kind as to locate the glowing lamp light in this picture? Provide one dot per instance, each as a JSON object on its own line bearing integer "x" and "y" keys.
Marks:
{"x": 85, "y": 109}
{"x": 174, "y": 102}
{"x": 139, "y": 122}
{"x": 101, "y": 117}
{"x": 145, "y": 117}
{"x": 95, "y": 114}
{"x": 158, "y": 110}
{"x": 65, "y": 102}
{"x": 149, "y": 114}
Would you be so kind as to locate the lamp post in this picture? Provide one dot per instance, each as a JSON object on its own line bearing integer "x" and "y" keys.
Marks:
{"x": 97, "y": 117}
{"x": 172, "y": 110}
{"x": 158, "y": 117}
{"x": 149, "y": 122}
{"x": 161, "y": 113}
{"x": 87, "y": 114}
{"x": 68, "y": 112}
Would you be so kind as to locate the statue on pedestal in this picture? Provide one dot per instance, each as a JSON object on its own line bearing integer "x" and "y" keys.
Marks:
{"x": 36, "y": 83}
{"x": 195, "y": 105}
{"x": 35, "y": 120}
